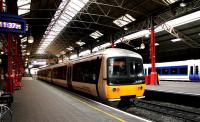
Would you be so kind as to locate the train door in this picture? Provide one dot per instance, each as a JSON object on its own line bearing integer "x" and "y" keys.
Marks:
{"x": 191, "y": 73}
{"x": 69, "y": 81}
{"x": 194, "y": 73}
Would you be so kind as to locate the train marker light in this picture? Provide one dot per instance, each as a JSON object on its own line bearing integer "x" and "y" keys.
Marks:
{"x": 114, "y": 89}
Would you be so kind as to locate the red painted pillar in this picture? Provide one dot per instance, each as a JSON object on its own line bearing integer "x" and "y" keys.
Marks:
{"x": 1, "y": 5}
{"x": 9, "y": 74}
{"x": 112, "y": 41}
{"x": 153, "y": 76}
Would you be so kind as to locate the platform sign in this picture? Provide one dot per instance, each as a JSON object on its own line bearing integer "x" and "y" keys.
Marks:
{"x": 12, "y": 23}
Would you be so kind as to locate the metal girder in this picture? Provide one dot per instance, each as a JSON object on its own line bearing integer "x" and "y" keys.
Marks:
{"x": 174, "y": 32}
{"x": 115, "y": 6}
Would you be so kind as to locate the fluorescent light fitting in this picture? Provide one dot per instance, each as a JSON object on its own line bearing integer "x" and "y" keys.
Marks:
{"x": 124, "y": 20}
{"x": 156, "y": 44}
{"x": 96, "y": 34}
{"x": 176, "y": 40}
{"x": 182, "y": 4}
{"x": 80, "y": 43}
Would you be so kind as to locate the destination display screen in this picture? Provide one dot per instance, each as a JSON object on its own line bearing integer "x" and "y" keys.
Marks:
{"x": 10, "y": 25}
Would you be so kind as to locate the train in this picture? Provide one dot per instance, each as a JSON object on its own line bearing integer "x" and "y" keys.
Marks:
{"x": 187, "y": 70}
{"x": 112, "y": 74}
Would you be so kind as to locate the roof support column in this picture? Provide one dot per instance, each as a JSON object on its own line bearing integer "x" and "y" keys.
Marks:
{"x": 1, "y": 5}
{"x": 154, "y": 75}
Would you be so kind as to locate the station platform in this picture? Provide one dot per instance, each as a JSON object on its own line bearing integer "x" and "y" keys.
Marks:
{"x": 181, "y": 93}
{"x": 38, "y": 101}
{"x": 186, "y": 88}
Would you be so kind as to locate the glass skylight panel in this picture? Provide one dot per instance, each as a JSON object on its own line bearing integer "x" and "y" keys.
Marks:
{"x": 96, "y": 34}
{"x": 23, "y": 2}
{"x": 65, "y": 13}
{"x": 168, "y": 2}
{"x": 23, "y": 6}
{"x": 80, "y": 3}
{"x": 124, "y": 20}
{"x": 21, "y": 10}
{"x": 74, "y": 6}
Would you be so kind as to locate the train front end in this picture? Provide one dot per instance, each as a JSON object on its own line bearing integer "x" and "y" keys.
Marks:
{"x": 125, "y": 78}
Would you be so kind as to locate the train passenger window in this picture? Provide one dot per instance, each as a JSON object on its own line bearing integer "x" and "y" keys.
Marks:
{"x": 145, "y": 71}
{"x": 183, "y": 71}
{"x": 174, "y": 71}
{"x": 149, "y": 71}
{"x": 196, "y": 70}
{"x": 87, "y": 71}
{"x": 191, "y": 70}
{"x": 165, "y": 71}
{"x": 158, "y": 70}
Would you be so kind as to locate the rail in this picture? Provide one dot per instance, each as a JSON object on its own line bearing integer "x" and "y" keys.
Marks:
{"x": 182, "y": 113}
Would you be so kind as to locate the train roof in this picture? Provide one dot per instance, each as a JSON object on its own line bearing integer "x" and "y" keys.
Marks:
{"x": 112, "y": 52}
{"x": 176, "y": 63}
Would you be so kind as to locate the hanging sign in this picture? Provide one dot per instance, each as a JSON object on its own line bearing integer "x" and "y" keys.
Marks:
{"x": 12, "y": 23}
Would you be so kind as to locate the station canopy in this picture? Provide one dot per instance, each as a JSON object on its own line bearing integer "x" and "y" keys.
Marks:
{"x": 71, "y": 26}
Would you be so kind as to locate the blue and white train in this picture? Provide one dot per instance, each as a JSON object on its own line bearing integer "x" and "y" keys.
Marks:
{"x": 188, "y": 70}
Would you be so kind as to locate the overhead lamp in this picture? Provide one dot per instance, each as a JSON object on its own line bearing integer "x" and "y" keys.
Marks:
{"x": 26, "y": 59}
{"x": 2, "y": 52}
{"x": 28, "y": 53}
{"x": 142, "y": 46}
{"x": 30, "y": 39}
{"x": 183, "y": 4}
{"x": 176, "y": 40}
{"x": 125, "y": 28}
{"x": 156, "y": 44}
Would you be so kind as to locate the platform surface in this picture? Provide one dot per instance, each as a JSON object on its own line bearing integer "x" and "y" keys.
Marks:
{"x": 41, "y": 102}
{"x": 189, "y": 88}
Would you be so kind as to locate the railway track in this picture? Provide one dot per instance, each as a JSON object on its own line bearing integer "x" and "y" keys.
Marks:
{"x": 192, "y": 115}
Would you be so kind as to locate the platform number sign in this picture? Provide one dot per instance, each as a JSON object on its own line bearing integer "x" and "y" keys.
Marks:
{"x": 12, "y": 23}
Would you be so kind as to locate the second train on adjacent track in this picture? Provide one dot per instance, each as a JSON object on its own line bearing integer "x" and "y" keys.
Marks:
{"x": 110, "y": 75}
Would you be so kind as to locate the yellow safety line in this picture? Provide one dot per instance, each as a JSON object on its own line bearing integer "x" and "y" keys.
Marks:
{"x": 121, "y": 120}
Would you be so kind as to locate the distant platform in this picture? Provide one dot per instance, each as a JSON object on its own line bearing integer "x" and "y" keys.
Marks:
{"x": 186, "y": 88}
{"x": 27, "y": 78}
{"x": 42, "y": 102}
